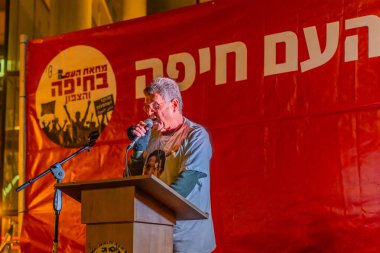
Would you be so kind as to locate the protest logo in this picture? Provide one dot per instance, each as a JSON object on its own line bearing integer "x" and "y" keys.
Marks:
{"x": 109, "y": 247}
{"x": 75, "y": 96}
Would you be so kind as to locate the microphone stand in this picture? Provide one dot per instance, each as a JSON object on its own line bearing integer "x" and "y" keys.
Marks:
{"x": 127, "y": 171}
{"x": 58, "y": 173}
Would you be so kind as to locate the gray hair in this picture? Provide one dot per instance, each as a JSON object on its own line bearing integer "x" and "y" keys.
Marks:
{"x": 167, "y": 88}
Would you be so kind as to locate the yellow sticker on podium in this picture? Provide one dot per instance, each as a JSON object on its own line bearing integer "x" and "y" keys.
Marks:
{"x": 109, "y": 247}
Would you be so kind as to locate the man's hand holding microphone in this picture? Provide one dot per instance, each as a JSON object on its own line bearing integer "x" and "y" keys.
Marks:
{"x": 139, "y": 135}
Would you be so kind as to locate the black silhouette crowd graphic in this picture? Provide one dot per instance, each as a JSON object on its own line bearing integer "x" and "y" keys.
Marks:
{"x": 74, "y": 132}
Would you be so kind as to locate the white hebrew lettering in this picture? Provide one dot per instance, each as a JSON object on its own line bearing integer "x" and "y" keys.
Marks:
{"x": 189, "y": 66}
{"x": 317, "y": 57}
{"x": 221, "y": 51}
{"x": 204, "y": 60}
{"x": 271, "y": 67}
{"x": 351, "y": 48}
{"x": 157, "y": 70}
{"x": 351, "y": 42}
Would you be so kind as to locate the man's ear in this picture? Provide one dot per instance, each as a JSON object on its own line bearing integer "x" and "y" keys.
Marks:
{"x": 175, "y": 104}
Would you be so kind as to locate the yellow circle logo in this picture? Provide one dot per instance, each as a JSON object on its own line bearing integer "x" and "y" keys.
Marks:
{"x": 76, "y": 95}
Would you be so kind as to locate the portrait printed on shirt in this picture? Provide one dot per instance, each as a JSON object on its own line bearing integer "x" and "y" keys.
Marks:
{"x": 155, "y": 164}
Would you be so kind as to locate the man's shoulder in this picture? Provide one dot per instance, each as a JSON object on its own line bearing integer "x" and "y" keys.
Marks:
{"x": 195, "y": 129}
{"x": 193, "y": 125}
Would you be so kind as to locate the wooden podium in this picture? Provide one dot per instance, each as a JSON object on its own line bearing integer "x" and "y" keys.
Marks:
{"x": 134, "y": 214}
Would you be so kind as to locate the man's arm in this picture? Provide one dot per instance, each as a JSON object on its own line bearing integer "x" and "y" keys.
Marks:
{"x": 136, "y": 163}
{"x": 136, "y": 160}
{"x": 196, "y": 161}
{"x": 187, "y": 181}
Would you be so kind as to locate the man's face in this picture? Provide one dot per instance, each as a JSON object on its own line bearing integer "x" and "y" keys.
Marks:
{"x": 159, "y": 111}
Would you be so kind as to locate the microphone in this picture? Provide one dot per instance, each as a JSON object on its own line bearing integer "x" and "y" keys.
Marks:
{"x": 148, "y": 124}
{"x": 92, "y": 137}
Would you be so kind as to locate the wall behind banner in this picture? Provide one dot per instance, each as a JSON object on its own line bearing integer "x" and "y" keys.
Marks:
{"x": 290, "y": 98}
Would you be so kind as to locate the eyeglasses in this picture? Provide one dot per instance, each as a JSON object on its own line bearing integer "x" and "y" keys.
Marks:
{"x": 154, "y": 106}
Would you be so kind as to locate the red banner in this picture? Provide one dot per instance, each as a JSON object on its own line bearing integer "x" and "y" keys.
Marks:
{"x": 289, "y": 93}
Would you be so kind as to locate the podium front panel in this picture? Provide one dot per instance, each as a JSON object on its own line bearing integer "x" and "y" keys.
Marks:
{"x": 131, "y": 237}
{"x": 123, "y": 204}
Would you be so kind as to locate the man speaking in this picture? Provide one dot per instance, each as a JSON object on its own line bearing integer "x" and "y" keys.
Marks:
{"x": 184, "y": 163}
